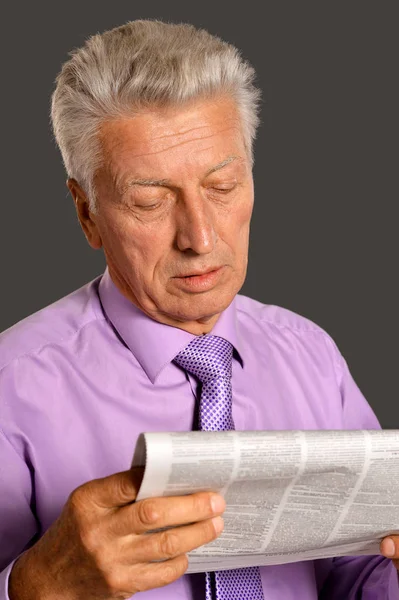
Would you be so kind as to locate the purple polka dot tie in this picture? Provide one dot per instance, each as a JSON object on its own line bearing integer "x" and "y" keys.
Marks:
{"x": 209, "y": 358}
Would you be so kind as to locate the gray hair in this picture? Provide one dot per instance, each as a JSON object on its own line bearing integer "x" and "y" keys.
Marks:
{"x": 142, "y": 63}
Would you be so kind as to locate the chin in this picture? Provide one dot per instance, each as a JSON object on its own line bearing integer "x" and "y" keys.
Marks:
{"x": 202, "y": 308}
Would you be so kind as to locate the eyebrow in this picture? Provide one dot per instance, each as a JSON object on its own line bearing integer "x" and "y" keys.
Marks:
{"x": 164, "y": 182}
{"x": 221, "y": 165}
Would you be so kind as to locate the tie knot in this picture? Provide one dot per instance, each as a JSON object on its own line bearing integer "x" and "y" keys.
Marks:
{"x": 207, "y": 357}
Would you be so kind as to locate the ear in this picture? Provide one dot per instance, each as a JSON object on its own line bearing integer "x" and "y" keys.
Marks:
{"x": 86, "y": 218}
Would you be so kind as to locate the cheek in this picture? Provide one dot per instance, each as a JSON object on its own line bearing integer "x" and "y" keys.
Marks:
{"x": 144, "y": 253}
{"x": 241, "y": 221}
{"x": 240, "y": 234}
{"x": 137, "y": 240}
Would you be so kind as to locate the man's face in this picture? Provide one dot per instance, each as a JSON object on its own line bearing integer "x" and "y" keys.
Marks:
{"x": 174, "y": 202}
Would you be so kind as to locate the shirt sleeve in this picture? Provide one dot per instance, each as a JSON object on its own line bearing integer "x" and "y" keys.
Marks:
{"x": 358, "y": 577}
{"x": 17, "y": 522}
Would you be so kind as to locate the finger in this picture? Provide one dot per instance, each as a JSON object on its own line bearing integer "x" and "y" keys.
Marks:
{"x": 170, "y": 543}
{"x": 113, "y": 491}
{"x": 390, "y": 546}
{"x": 147, "y": 576}
{"x": 155, "y": 513}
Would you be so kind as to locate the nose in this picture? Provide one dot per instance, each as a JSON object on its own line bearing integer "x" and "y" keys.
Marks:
{"x": 195, "y": 224}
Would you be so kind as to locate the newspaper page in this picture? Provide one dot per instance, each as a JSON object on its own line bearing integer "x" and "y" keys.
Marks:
{"x": 290, "y": 495}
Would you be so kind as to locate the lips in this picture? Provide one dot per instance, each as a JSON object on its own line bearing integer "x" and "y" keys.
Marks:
{"x": 199, "y": 273}
{"x": 198, "y": 282}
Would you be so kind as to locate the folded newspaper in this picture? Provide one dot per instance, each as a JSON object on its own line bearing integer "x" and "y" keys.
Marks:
{"x": 290, "y": 495}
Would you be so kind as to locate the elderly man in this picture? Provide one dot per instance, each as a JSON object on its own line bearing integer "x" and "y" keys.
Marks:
{"x": 155, "y": 123}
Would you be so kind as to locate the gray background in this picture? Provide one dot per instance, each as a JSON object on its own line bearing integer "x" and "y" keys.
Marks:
{"x": 323, "y": 240}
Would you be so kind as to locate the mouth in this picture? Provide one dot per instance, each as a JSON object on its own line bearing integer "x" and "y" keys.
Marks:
{"x": 199, "y": 273}
{"x": 200, "y": 281}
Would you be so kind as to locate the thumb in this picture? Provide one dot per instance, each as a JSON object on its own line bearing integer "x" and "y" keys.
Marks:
{"x": 117, "y": 489}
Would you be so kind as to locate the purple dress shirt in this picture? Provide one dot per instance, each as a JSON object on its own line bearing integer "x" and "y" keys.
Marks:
{"x": 81, "y": 378}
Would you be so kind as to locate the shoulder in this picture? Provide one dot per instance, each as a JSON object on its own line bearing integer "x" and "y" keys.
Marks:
{"x": 284, "y": 326}
{"x": 53, "y": 325}
{"x": 275, "y": 316}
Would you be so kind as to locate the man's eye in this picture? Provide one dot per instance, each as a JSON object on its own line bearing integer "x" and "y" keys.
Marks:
{"x": 224, "y": 187}
{"x": 148, "y": 206}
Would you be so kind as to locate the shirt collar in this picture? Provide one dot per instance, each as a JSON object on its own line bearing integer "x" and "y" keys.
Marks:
{"x": 155, "y": 344}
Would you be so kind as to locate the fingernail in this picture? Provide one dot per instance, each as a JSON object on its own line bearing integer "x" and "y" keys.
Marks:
{"x": 218, "y": 504}
{"x": 218, "y": 524}
{"x": 388, "y": 547}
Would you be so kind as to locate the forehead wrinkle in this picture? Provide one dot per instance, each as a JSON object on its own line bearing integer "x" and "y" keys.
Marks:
{"x": 205, "y": 137}
{"x": 180, "y": 133}
{"x": 234, "y": 118}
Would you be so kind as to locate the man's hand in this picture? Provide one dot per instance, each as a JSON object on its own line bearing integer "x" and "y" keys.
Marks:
{"x": 390, "y": 548}
{"x": 99, "y": 547}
